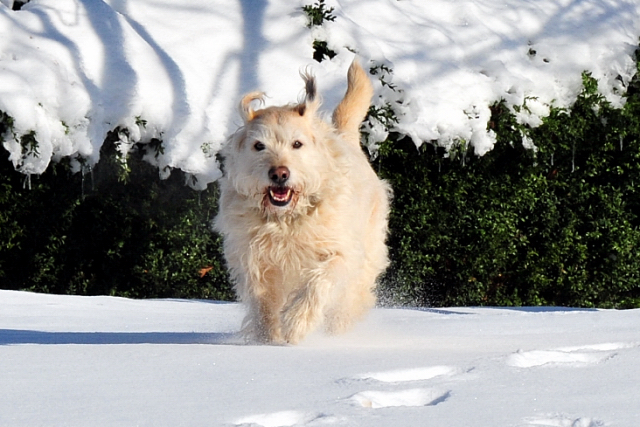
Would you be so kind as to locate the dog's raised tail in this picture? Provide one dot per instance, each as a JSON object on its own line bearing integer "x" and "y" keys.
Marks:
{"x": 353, "y": 108}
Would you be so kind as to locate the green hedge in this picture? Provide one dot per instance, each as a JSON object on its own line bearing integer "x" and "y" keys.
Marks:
{"x": 116, "y": 231}
{"x": 556, "y": 226}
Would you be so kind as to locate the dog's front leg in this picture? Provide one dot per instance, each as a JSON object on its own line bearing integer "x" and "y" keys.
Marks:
{"x": 264, "y": 305}
{"x": 304, "y": 309}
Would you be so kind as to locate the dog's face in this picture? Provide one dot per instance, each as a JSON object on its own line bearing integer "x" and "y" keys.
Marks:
{"x": 280, "y": 160}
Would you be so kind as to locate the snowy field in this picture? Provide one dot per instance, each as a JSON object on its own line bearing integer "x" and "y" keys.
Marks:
{"x": 104, "y": 361}
{"x": 72, "y": 70}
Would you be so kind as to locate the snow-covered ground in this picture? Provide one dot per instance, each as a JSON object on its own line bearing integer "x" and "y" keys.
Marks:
{"x": 104, "y": 361}
{"x": 72, "y": 70}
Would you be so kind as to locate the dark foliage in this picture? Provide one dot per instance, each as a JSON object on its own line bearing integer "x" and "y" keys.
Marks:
{"x": 317, "y": 14}
{"x": 17, "y": 4}
{"x": 97, "y": 233}
{"x": 558, "y": 226}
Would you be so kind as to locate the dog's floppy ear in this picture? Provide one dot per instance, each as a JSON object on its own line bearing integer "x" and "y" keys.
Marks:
{"x": 246, "y": 111}
{"x": 311, "y": 102}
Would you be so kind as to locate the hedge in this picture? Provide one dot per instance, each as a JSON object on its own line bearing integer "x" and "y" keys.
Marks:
{"x": 554, "y": 225}
{"x": 114, "y": 230}
{"x": 557, "y": 225}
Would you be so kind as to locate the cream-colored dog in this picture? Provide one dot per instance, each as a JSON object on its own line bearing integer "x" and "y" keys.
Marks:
{"x": 303, "y": 215}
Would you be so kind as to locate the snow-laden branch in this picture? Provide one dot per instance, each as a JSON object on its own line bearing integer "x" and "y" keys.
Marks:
{"x": 73, "y": 70}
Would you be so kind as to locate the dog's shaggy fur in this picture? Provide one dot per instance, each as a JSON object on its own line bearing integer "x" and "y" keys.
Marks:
{"x": 303, "y": 215}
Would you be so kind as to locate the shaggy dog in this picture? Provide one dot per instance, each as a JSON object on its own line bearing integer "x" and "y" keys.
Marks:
{"x": 303, "y": 215}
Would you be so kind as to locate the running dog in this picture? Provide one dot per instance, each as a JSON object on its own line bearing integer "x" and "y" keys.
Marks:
{"x": 303, "y": 215}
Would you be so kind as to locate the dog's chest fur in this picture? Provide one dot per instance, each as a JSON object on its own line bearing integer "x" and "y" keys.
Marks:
{"x": 290, "y": 249}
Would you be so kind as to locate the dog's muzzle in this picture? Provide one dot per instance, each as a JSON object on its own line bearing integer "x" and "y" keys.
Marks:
{"x": 279, "y": 194}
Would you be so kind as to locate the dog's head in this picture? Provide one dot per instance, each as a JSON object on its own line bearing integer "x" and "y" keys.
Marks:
{"x": 281, "y": 159}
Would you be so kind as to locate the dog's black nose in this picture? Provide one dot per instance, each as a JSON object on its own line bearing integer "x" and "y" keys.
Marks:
{"x": 279, "y": 175}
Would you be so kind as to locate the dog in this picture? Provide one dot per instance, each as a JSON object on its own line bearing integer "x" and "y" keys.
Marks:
{"x": 302, "y": 214}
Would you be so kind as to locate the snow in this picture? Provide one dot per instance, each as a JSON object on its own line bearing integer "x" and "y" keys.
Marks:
{"x": 105, "y": 361}
{"x": 73, "y": 70}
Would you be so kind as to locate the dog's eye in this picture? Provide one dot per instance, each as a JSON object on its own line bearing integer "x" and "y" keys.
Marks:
{"x": 258, "y": 146}
{"x": 297, "y": 144}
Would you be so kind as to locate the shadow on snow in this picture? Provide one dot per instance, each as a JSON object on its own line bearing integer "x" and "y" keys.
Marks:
{"x": 14, "y": 336}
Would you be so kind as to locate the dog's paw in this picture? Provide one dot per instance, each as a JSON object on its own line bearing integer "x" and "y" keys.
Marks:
{"x": 337, "y": 324}
{"x": 298, "y": 317}
{"x": 258, "y": 332}
{"x": 273, "y": 335}
{"x": 293, "y": 330}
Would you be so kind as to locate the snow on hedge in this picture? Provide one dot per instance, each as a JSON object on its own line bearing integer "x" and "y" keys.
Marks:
{"x": 73, "y": 70}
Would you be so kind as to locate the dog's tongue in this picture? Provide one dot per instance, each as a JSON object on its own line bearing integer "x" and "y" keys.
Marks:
{"x": 280, "y": 192}
{"x": 280, "y": 196}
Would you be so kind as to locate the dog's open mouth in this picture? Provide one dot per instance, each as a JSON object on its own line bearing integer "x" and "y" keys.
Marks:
{"x": 280, "y": 196}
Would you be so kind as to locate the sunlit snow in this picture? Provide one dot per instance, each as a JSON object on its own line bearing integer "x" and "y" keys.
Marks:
{"x": 73, "y": 70}
{"x": 104, "y": 361}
